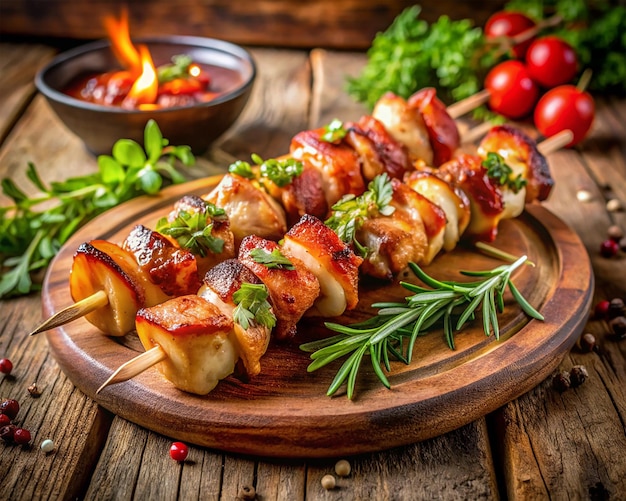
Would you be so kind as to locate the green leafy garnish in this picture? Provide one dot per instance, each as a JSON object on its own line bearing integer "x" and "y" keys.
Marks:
{"x": 179, "y": 68}
{"x": 274, "y": 259}
{"x": 334, "y": 131}
{"x": 349, "y": 213}
{"x": 280, "y": 172}
{"x": 252, "y": 306}
{"x": 193, "y": 230}
{"x": 392, "y": 333}
{"x": 499, "y": 171}
{"x": 412, "y": 54}
{"x": 30, "y": 238}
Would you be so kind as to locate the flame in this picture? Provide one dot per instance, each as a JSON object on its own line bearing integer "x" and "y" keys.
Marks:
{"x": 121, "y": 45}
{"x": 145, "y": 89}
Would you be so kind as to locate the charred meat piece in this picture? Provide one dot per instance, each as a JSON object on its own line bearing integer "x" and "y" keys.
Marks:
{"x": 332, "y": 261}
{"x": 197, "y": 338}
{"x": 220, "y": 284}
{"x": 293, "y": 288}
{"x": 173, "y": 269}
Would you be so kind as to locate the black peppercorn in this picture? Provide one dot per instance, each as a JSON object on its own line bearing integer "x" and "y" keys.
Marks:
{"x": 561, "y": 381}
{"x": 616, "y": 308}
{"x": 618, "y": 326}
{"x": 578, "y": 375}
{"x": 587, "y": 342}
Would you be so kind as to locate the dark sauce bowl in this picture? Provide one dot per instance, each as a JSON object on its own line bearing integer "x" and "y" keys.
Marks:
{"x": 197, "y": 125}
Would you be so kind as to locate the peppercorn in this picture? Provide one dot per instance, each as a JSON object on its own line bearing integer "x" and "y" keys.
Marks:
{"x": 561, "y": 381}
{"x": 179, "y": 451}
{"x": 6, "y": 366}
{"x": 4, "y": 420}
{"x": 615, "y": 233}
{"x": 618, "y": 326}
{"x": 246, "y": 493}
{"x": 7, "y": 432}
{"x": 616, "y": 308}
{"x": 10, "y": 407}
{"x": 21, "y": 436}
{"x": 328, "y": 482}
{"x": 609, "y": 248}
{"x": 578, "y": 375}
{"x": 34, "y": 391}
{"x": 47, "y": 445}
{"x": 342, "y": 468}
{"x": 587, "y": 342}
{"x": 601, "y": 309}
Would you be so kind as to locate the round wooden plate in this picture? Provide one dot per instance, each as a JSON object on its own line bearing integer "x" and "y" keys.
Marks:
{"x": 285, "y": 412}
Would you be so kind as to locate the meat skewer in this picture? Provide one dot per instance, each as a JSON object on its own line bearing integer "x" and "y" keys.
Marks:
{"x": 109, "y": 282}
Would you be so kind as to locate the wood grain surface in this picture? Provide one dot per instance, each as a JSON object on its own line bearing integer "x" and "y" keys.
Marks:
{"x": 542, "y": 445}
{"x": 284, "y": 411}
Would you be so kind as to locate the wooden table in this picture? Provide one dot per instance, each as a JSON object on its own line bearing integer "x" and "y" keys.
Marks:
{"x": 545, "y": 444}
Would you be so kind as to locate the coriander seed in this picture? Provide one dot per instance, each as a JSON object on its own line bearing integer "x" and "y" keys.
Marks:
{"x": 328, "y": 482}
{"x": 34, "y": 391}
{"x": 578, "y": 375}
{"x": 47, "y": 445}
{"x": 561, "y": 381}
{"x": 613, "y": 205}
{"x": 342, "y": 468}
{"x": 615, "y": 233}
{"x": 587, "y": 342}
{"x": 618, "y": 326}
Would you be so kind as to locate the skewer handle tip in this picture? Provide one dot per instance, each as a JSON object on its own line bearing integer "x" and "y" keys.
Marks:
{"x": 135, "y": 366}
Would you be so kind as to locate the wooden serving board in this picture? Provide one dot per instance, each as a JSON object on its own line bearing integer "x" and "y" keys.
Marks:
{"x": 284, "y": 412}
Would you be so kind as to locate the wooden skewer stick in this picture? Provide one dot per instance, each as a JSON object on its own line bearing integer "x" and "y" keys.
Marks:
{"x": 555, "y": 142}
{"x": 468, "y": 104}
{"x": 135, "y": 366}
{"x": 477, "y": 132}
{"x": 74, "y": 311}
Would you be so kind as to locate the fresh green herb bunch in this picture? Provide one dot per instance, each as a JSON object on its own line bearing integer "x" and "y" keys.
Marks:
{"x": 280, "y": 172}
{"x": 392, "y": 333}
{"x": 412, "y": 54}
{"x": 253, "y": 306}
{"x": 30, "y": 238}
{"x": 272, "y": 260}
{"x": 349, "y": 213}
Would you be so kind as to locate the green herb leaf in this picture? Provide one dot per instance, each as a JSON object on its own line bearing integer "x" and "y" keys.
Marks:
{"x": 500, "y": 172}
{"x": 334, "y": 131}
{"x": 30, "y": 238}
{"x": 349, "y": 213}
{"x": 274, "y": 259}
{"x": 179, "y": 68}
{"x": 280, "y": 172}
{"x": 253, "y": 306}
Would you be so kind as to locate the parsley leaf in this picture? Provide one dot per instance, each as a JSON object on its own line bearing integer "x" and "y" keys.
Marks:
{"x": 500, "y": 172}
{"x": 252, "y": 306}
{"x": 280, "y": 172}
{"x": 334, "y": 131}
{"x": 274, "y": 259}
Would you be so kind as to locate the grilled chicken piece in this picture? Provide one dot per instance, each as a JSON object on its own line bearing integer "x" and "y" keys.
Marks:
{"x": 250, "y": 210}
{"x": 441, "y": 127}
{"x": 333, "y": 263}
{"x": 521, "y": 154}
{"x": 452, "y": 201}
{"x": 467, "y": 173}
{"x": 337, "y": 163}
{"x": 292, "y": 291}
{"x": 197, "y": 338}
{"x": 413, "y": 232}
{"x": 104, "y": 266}
{"x": 378, "y": 151}
{"x": 220, "y": 283}
{"x": 406, "y": 125}
{"x": 221, "y": 229}
{"x": 173, "y": 269}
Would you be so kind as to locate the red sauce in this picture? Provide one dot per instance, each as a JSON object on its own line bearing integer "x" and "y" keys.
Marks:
{"x": 112, "y": 88}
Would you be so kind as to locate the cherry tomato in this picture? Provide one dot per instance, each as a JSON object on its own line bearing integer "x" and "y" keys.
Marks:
{"x": 551, "y": 61}
{"x": 565, "y": 107}
{"x": 509, "y": 24}
{"x": 512, "y": 92}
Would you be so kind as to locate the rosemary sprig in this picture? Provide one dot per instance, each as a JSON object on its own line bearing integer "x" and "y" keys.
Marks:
{"x": 392, "y": 332}
{"x": 350, "y": 212}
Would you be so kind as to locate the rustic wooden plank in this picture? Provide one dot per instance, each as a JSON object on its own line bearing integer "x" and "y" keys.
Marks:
{"x": 286, "y": 23}
{"x": 570, "y": 443}
{"x": 18, "y": 66}
{"x": 62, "y": 414}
